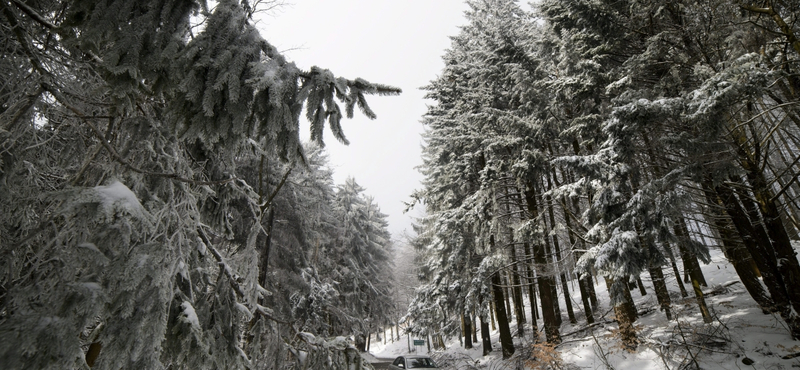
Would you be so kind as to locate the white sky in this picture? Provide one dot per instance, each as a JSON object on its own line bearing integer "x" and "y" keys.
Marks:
{"x": 393, "y": 42}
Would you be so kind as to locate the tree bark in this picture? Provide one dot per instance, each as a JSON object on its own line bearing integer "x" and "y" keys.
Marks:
{"x": 467, "y": 331}
{"x": 690, "y": 263}
{"x": 760, "y": 248}
{"x": 546, "y": 285}
{"x": 736, "y": 252}
{"x": 506, "y": 342}
{"x": 485, "y": 338}
{"x": 660, "y": 286}
{"x": 701, "y": 301}
{"x": 531, "y": 292}
{"x": 788, "y": 266}
{"x": 624, "y": 311}
{"x": 557, "y": 251}
{"x": 639, "y": 283}
{"x": 677, "y": 273}
{"x": 474, "y": 330}
{"x": 517, "y": 291}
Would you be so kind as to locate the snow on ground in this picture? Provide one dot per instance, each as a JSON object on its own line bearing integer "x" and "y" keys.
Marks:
{"x": 741, "y": 337}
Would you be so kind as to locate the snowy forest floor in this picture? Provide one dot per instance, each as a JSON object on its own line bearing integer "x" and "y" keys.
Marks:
{"x": 740, "y": 337}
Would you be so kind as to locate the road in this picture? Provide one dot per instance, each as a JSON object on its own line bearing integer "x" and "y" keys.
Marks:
{"x": 382, "y": 363}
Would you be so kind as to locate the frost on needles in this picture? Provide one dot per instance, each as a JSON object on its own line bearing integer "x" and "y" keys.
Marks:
{"x": 149, "y": 155}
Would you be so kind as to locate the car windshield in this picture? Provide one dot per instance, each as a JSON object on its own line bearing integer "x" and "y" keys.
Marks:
{"x": 424, "y": 362}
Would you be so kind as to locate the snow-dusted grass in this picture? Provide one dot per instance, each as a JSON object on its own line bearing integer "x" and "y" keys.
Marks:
{"x": 740, "y": 333}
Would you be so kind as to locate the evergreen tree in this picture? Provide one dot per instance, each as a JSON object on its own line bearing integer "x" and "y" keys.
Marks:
{"x": 128, "y": 225}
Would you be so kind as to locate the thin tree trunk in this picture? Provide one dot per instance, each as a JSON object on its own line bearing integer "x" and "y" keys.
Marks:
{"x": 592, "y": 293}
{"x": 264, "y": 265}
{"x": 690, "y": 263}
{"x": 677, "y": 273}
{"x": 583, "y": 282}
{"x": 531, "y": 292}
{"x": 517, "y": 291}
{"x": 639, "y": 283}
{"x": 506, "y": 341}
{"x": 491, "y": 311}
{"x": 507, "y": 292}
{"x": 474, "y": 330}
{"x": 548, "y": 260}
{"x": 701, "y": 301}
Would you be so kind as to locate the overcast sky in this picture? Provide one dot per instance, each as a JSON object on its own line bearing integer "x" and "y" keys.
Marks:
{"x": 398, "y": 43}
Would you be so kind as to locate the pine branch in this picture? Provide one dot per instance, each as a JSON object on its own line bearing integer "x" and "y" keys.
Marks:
{"x": 101, "y": 137}
{"x": 234, "y": 280}
{"x": 268, "y": 203}
{"x": 785, "y": 28}
{"x": 33, "y": 14}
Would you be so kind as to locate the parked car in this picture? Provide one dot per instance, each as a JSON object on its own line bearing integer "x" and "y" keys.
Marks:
{"x": 413, "y": 362}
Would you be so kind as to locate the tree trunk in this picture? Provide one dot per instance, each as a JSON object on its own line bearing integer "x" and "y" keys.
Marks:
{"x": 677, "y": 273}
{"x": 491, "y": 311}
{"x": 553, "y": 284}
{"x": 545, "y": 283}
{"x": 507, "y": 292}
{"x": 474, "y": 330}
{"x": 760, "y": 248}
{"x": 517, "y": 291}
{"x": 264, "y": 263}
{"x": 506, "y": 342}
{"x": 592, "y": 293}
{"x": 429, "y": 343}
{"x": 467, "y": 331}
{"x": 624, "y": 311}
{"x": 485, "y": 338}
{"x": 736, "y": 252}
{"x": 583, "y": 282}
{"x": 531, "y": 282}
{"x": 788, "y": 266}
{"x": 639, "y": 283}
{"x": 701, "y": 301}
{"x": 660, "y": 286}
{"x": 690, "y": 263}
{"x": 558, "y": 262}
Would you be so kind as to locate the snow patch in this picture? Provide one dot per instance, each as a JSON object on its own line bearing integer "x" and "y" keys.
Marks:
{"x": 89, "y": 246}
{"x": 118, "y": 196}
{"x": 244, "y": 310}
{"x": 189, "y": 315}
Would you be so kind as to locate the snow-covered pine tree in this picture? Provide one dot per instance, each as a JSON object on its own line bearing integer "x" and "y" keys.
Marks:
{"x": 677, "y": 115}
{"x": 361, "y": 260}
{"x": 123, "y": 124}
